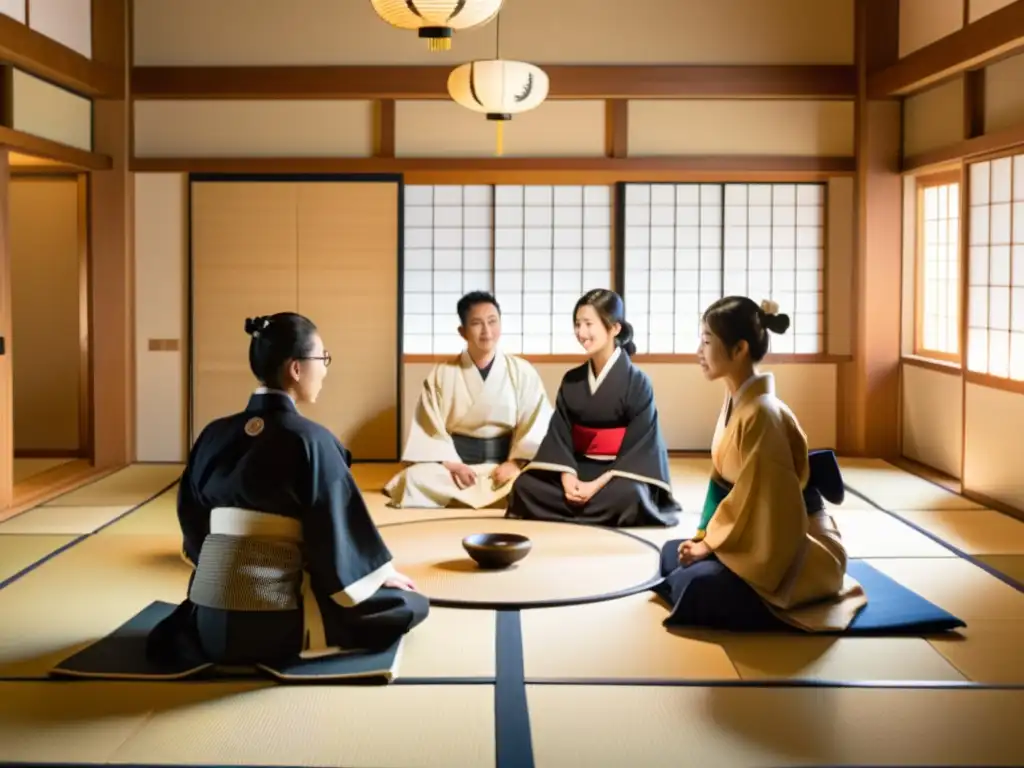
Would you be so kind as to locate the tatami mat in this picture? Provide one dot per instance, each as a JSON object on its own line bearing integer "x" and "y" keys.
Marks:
{"x": 238, "y": 724}
{"x": 974, "y": 531}
{"x": 26, "y": 468}
{"x": 81, "y": 595}
{"x": 618, "y": 639}
{"x": 128, "y": 487}
{"x": 158, "y": 517}
{"x": 986, "y": 651}
{"x": 892, "y": 488}
{"x": 873, "y": 533}
{"x": 837, "y": 659}
{"x": 1011, "y": 565}
{"x": 958, "y": 586}
{"x": 617, "y": 726}
{"x": 61, "y": 520}
{"x": 19, "y": 552}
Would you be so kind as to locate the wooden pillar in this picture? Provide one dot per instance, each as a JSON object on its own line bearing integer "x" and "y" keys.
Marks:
{"x": 111, "y": 254}
{"x": 6, "y": 372}
{"x": 869, "y": 389}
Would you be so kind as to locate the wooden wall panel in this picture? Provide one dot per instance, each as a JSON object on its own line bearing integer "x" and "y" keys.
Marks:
{"x": 922, "y": 22}
{"x": 445, "y": 129}
{"x": 253, "y": 128}
{"x": 297, "y": 32}
{"x": 1004, "y": 94}
{"x": 934, "y": 118}
{"x": 45, "y": 315}
{"x": 6, "y": 391}
{"x": 978, "y": 9}
{"x": 244, "y": 264}
{"x": 723, "y": 127}
{"x": 933, "y": 417}
{"x": 50, "y": 112}
{"x": 993, "y": 425}
{"x": 348, "y": 285}
{"x": 325, "y": 249}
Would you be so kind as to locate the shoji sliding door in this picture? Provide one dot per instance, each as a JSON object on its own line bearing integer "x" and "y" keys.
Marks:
{"x": 326, "y": 249}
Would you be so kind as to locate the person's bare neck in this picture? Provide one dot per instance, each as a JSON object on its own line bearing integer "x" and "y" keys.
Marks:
{"x": 600, "y": 359}
{"x": 481, "y": 358}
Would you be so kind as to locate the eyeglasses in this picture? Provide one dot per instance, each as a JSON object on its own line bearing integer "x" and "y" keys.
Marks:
{"x": 325, "y": 357}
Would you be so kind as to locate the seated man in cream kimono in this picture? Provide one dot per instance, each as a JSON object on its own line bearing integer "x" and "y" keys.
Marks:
{"x": 480, "y": 418}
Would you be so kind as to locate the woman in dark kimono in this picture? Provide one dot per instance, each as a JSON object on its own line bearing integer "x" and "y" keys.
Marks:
{"x": 603, "y": 460}
{"x": 287, "y": 559}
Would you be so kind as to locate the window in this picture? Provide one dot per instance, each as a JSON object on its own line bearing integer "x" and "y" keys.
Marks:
{"x": 995, "y": 306}
{"x": 550, "y": 245}
{"x": 688, "y": 245}
{"x": 538, "y": 248}
{"x": 448, "y": 236}
{"x": 937, "y": 323}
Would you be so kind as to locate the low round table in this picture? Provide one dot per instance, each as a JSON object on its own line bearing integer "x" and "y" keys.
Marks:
{"x": 569, "y": 563}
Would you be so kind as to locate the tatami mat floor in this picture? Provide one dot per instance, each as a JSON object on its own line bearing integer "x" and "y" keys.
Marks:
{"x": 600, "y": 684}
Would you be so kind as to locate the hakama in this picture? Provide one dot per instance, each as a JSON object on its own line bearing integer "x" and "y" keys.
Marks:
{"x": 777, "y": 558}
{"x": 286, "y": 559}
{"x": 603, "y": 424}
{"x": 477, "y": 417}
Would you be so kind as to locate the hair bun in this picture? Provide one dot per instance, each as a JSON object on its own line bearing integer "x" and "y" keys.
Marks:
{"x": 253, "y": 325}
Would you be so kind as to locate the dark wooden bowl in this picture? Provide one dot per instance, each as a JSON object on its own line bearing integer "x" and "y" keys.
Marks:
{"x": 497, "y": 550}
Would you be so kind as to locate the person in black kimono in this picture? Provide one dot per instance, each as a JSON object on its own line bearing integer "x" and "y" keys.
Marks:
{"x": 287, "y": 561}
{"x": 602, "y": 460}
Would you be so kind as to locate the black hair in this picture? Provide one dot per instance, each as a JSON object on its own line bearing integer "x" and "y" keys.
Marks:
{"x": 470, "y": 300}
{"x": 737, "y": 318}
{"x": 609, "y": 307}
{"x": 276, "y": 339}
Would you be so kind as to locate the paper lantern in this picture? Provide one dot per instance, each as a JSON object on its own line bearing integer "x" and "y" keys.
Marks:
{"x": 436, "y": 20}
{"x": 498, "y": 89}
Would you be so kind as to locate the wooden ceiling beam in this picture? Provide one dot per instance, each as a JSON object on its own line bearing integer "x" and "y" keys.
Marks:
{"x": 26, "y": 144}
{"x": 430, "y": 82}
{"x": 990, "y": 38}
{"x": 38, "y": 55}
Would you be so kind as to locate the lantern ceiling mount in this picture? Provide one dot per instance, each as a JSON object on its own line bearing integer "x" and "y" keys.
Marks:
{"x": 437, "y": 20}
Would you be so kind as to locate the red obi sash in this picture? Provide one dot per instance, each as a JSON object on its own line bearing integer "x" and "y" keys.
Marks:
{"x": 597, "y": 442}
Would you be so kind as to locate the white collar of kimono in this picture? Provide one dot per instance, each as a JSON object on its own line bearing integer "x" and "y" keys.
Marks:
{"x": 595, "y": 381}
{"x": 269, "y": 391}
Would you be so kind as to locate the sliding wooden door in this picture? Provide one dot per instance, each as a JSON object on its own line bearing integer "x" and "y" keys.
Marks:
{"x": 326, "y": 249}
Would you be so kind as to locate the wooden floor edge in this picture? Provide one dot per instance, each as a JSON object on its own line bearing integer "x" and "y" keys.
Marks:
{"x": 61, "y": 485}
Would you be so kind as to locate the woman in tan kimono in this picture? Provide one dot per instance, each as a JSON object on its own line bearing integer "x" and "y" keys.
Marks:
{"x": 771, "y": 557}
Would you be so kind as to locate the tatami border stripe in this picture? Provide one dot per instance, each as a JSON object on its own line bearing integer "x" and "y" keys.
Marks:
{"x": 513, "y": 741}
{"x": 990, "y": 570}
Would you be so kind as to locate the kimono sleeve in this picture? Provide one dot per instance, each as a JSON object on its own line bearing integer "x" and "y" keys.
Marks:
{"x": 345, "y": 554}
{"x": 556, "y": 453}
{"x": 193, "y": 513}
{"x": 533, "y": 413}
{"x": 643, "y": 455}
{"x": 428, "y": 439}
{"x": 761, "y": 525}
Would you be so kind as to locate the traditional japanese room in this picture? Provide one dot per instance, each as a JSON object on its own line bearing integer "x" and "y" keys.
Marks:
{"x": 169, "y": 168}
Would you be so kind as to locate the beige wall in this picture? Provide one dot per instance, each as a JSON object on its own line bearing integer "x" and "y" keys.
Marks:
{"x": 312, "y": 32}
{"x": 1004, "y": 94}
{"x": 934, "y": 118}
{"x": 444, "y": 129}
{"x": 45, "y": 293}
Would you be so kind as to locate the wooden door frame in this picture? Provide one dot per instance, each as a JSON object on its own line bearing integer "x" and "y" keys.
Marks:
{"x": 396, "y": 178}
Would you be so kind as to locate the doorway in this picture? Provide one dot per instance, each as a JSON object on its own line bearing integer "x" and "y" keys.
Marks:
{"x": 49, "y": 326}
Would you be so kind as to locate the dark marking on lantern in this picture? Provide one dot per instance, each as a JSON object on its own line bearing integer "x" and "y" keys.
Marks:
{"x": 527, "y": 89}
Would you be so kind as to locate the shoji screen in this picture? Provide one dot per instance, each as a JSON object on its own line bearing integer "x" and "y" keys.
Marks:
{"x": 325, "y": 249}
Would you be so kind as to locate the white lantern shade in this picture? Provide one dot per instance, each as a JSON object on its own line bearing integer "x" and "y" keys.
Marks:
{"x": 436, "y": 15}
{"x": 498, "y": 87}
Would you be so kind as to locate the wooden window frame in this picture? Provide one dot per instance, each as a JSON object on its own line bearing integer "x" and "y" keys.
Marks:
{"x": 924, "y": 182}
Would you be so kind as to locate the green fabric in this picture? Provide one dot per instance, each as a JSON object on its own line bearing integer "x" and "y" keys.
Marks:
{"x": 718, "y": 489}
